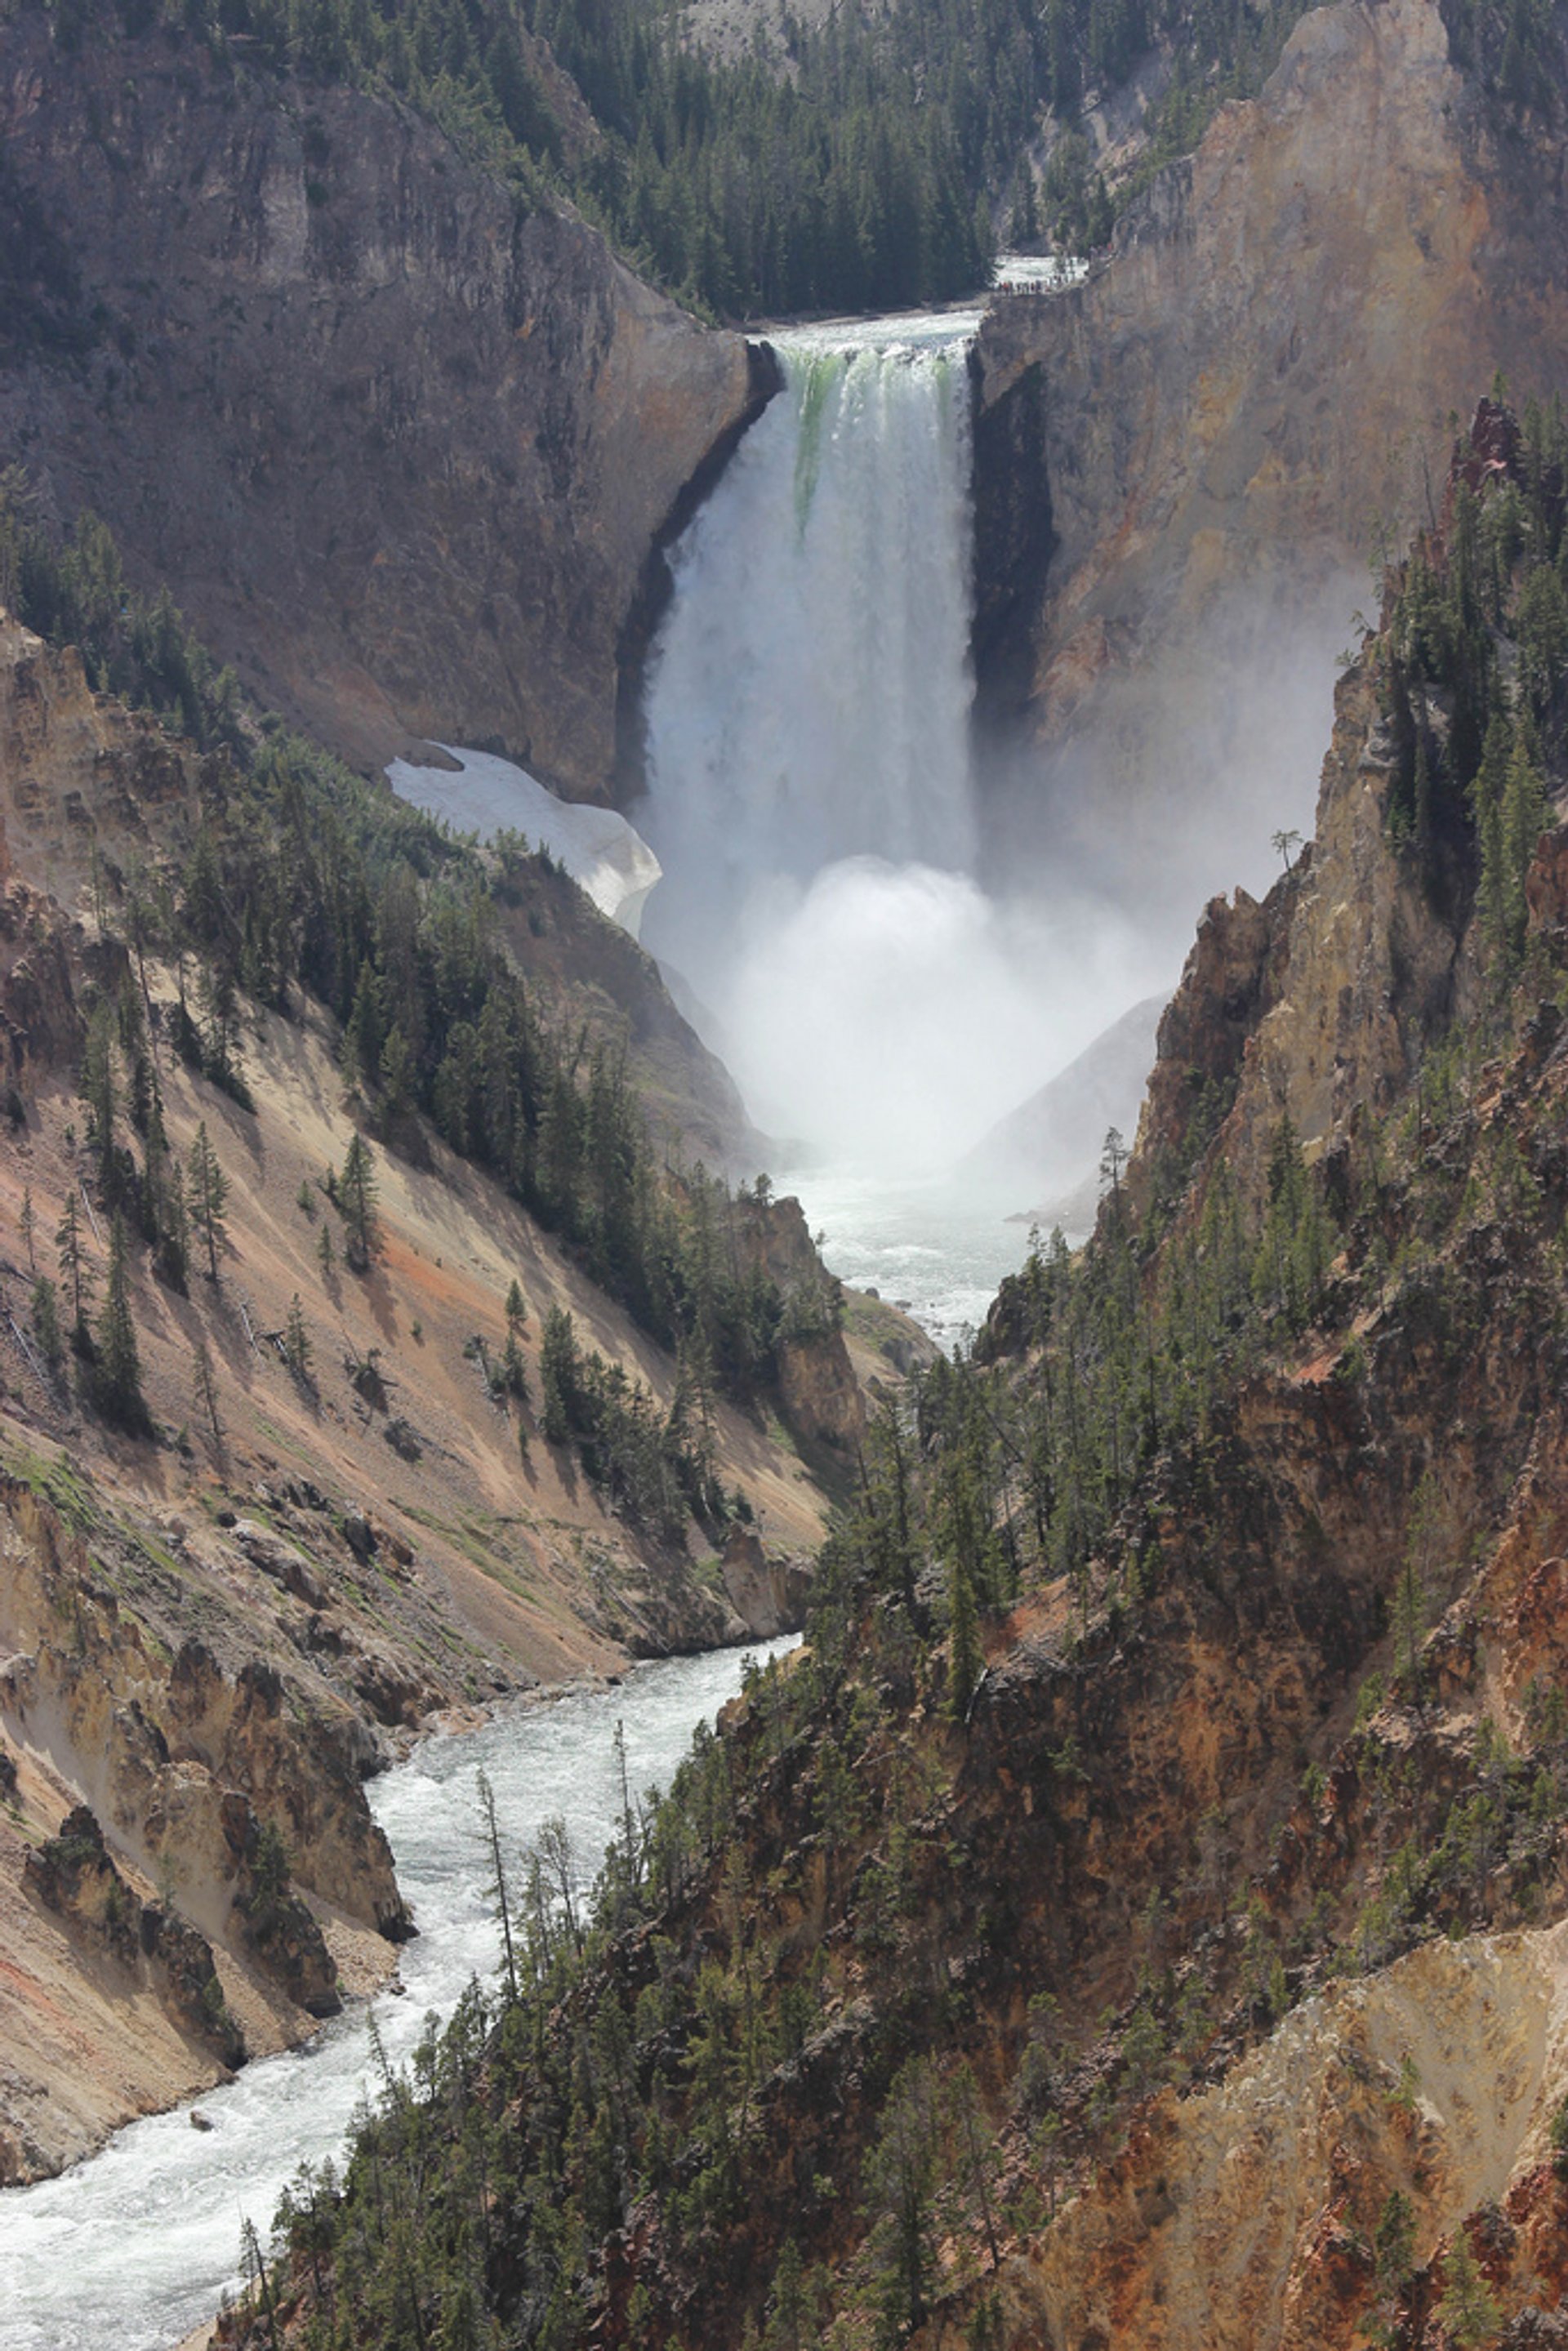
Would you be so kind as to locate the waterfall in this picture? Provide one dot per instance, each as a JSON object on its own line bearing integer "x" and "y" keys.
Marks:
{"x": 809, "y": 795}
{"x": 809, "y": 697}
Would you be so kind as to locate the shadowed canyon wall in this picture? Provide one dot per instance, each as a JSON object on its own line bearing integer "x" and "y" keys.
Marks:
{"x": 403, "y": 449}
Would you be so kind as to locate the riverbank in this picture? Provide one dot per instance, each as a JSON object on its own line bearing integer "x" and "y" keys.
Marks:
{"x": 131, "y": 2250}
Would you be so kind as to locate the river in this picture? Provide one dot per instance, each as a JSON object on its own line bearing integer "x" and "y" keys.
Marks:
{"x": 133, "y": 2248}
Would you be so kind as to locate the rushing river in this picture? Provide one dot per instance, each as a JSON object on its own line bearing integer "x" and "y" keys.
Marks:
{"x": 131, "y": 2250}
{"x": 934, "y": 1245}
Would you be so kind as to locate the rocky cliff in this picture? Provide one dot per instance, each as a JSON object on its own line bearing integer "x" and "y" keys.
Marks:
{"x": 404, "y": 449}
{"x": 1185, "y": 464}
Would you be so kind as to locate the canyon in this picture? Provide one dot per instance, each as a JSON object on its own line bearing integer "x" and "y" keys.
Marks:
{"x": 1137, "y": 1913}
{"x": 1174, "y": 1954}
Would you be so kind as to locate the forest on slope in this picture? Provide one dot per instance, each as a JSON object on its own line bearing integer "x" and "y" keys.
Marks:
{"x": 369, "y": 1346}
{"x": 863, "y": 162}
{"x": 301, "y": 876}
{"x": 1184, "y": 1709}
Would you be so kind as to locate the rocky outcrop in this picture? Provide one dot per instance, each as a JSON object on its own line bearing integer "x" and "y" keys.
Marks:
{"x": 1259, "y": 375}
{"x": 819, "y": 1395}
{"x": 1319, "y": 1002}
{"x": 159, "y": 1749}
{"x": 40, "y": 1025}
{"x": 769, "y": 1595}
{"x": 81, "y": 777}
{"x": 72, "y": 1874}
{"x": 404, "y": 451}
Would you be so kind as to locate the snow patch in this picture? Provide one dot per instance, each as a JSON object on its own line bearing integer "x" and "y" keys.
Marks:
{"x": 602, "y": 854}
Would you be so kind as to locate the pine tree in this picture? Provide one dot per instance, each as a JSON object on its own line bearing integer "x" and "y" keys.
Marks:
{"x": 27, "y": 1228}
{"x": 98, "y": 1090}
{"x": 296, "y": 1343}
{"x": 221, "y": 1030}
{"x": 326, "y": 1256}
{"x": 557, "y": 1374}
{"x": 204, "y": 1396}
{"x": 1523, "y": 817}
{"x": 119, "y": 1377}
{"x": 173, "y": 1229}
{"x": 356, "y": 1201}
{"x": 209, "y": 1196}
{"x": 75, "y": 1274}
{"x": 397, "y": 1071}
{"x": 45, "y": 1318}
{"x": 1470, "y": 2309}
{"x": 1395, "y": 2243}
{"x": 1487, "y": 794}
{"x": 965, "y": 1658}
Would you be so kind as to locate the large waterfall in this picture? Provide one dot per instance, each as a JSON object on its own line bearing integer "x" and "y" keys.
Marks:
{"x": 809, "y": 699}
{"x": 809, "y": 789}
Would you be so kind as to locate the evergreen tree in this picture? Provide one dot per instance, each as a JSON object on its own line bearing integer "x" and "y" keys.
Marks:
{"x": 75, "y": 1274}
{"x": 1395, "y": 2243}
{"x": 46, "y": 1318}
{"x": 117, "y": 1382}
{"x": 98, "y": 1093}
{"x": 1468, "y": 2309}
{"x": 174, "y": 1228}
{"x": 1523, "y": 818}
{"x": 966, "y": 1656}
{"x": 357, "y": 1200}
{"x": 297, "y": 1342}
{"x": 204, "y": 1396}
{"x": 209, "y": 1195}
{"x": 221, "y": 1031}
{"x": 557, "y": 1375}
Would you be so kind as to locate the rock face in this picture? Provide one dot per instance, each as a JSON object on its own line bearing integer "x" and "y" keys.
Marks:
{"x": 819, "y": 1394}
{"x": 1182, "y": 464}
{"x": 1319, "y": 1002}
{"x": 1283, "y": 2168}
{"x": 231, "y": 1794}
{"x": 403, "y": 450}
{"x": 81, "y": 776}
{"x": 769, "y": 1595}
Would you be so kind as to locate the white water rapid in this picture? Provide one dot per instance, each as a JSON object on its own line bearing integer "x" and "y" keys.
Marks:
{"x": 130, "y": 2250}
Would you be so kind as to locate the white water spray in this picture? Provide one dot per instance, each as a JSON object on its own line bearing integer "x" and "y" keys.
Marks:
{"x": 809, "y": 696}
{"x": 809, "y": 789}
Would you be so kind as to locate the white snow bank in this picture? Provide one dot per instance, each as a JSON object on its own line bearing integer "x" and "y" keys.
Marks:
{"x": 598, "y": 848}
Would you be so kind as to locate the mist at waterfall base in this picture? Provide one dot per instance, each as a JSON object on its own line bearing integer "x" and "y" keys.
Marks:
{"x": 883, "y": 1017}
{"x": 882, "y": 981}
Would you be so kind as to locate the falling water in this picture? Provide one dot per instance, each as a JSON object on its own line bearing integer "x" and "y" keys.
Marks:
{"x": 809, "y": 697}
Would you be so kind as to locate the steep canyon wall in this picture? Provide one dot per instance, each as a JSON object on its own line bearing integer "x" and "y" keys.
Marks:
{"x": 402, "y": 448}
{"x": 1187, "y": 467}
